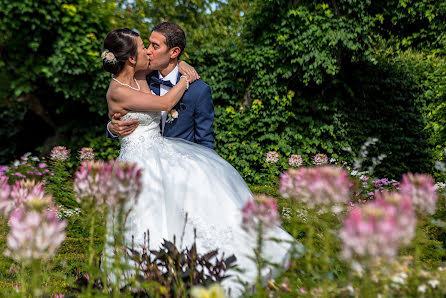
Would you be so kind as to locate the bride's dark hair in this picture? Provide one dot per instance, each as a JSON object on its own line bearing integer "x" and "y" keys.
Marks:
{"x": 122, "y": 44}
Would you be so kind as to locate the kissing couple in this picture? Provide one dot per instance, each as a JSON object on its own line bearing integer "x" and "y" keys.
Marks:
{"x": 163, "y": 115}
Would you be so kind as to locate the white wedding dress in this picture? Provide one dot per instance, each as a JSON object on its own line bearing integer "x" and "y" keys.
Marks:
{"x": 181, "y": 177}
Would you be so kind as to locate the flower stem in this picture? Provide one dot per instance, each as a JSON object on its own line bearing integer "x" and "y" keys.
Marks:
{"x": 258, "y": 255}
{"x": 35, "y": 278}
{"x": 309, "y": 248}
{"x": 91, "y": 252}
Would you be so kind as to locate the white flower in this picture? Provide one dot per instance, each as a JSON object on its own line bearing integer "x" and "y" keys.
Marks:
{"x": 422, "y": 288}
{"x": 399, "y": 278}
{"x": 358, "y": 268}
{"x": 354, "y": 173}
{"x": 16, "y": 163}
{"x": 35, "y": 158}
{"x": 440, "y": 185}
{"x": 433, "y": 283}
{"x": 332, "y": 160}
{"x": 351, "y": 289}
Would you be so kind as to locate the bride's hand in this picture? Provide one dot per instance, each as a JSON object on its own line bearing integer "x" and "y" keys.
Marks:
{"x": 187, "y": 70}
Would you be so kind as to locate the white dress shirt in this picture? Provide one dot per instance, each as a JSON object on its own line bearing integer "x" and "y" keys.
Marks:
{"x": 172, "y": 77}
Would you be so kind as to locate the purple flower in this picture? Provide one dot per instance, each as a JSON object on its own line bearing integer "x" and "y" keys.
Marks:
{"x": 420, "y": 188}
{"x": 316, "y": 187}
{"x": 320, "y": 159}
{"x": 60, "y": 154}
{"x": 295, "y": 160}
{"x": 261, "y": 210}
{"x": 272, "y": 157}
{"x": 42, "y": 165}
{"x": 86, "y": 154}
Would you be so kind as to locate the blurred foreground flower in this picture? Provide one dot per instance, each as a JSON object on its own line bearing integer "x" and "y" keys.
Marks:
{"x": 34, "y": 235}
{"x": 320, "y": 159}
{"x": 315, "y": 187}
{"x": 14, "y": 196}
{"x": 263, "y": 209}
{"x": 295, "y": 161}
{"x": 97, "y": 182}
{"x": 420, "y": 188}
{"x": 214, "y": 291}
{"x": 379, "y": 228}
{"x": 86, "y": 154}
{"x": 60, "y": 153}
{"x": 272, "y": 157}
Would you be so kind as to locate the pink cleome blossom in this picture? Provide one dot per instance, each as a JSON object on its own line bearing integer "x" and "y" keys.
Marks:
{"x": 34, "y": 234}
{"x": 295, "y": 161}
{"x": 316, "y": 186}
{"x": 14, "y": 196}
{"x": 263, "y": 209}
{"x": 60, "y": 153}
{"x": 272, "y": 157}
{"x": 379, "y": 228}
{"x": 97, "y": 183}
{"x": 320, "y": 159}
{"x": 420, "y": 188}
{"x": 86, "y": 154}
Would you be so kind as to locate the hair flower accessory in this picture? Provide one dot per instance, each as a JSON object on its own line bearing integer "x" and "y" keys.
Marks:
{"x": 108, "y": 57}
{"x": 172, "y": 115}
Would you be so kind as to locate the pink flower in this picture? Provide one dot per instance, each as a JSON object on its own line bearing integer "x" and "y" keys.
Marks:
{"x": 86, "y": 154}
{"x": 378, "y": 229}
{"x": 42, "y": 165}
{"x": 60, "y": 154}
{"x": 420, "y": 188}
{"x": 316, "y": 187}
{"x": 34, "y": 235}
{"x": 320, "y": 159}
{"x": 22, "y": 192}
{"x": 98, "y": 183}
{"x": 261, "y": 210}
{"x": 272, "y": 157}
{"x": 295, "y": 160}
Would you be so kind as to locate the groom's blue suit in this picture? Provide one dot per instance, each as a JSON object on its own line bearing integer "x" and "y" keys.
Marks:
{"x": 195, "y": 113}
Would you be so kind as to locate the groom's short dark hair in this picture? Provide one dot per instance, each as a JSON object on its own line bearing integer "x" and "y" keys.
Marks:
{"x": 174, "y": 34}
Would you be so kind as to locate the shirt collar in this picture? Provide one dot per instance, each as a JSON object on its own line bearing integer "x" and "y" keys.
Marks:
{"x": 172, "y": 76}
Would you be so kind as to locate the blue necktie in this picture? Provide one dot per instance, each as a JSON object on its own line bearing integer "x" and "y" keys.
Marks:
{"x": 159, "y": 81}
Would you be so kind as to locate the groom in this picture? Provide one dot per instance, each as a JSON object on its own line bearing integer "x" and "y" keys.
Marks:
{"x": 192, "y": 117}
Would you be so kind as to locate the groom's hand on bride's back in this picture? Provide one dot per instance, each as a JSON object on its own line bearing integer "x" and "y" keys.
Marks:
{"x": 120, "y": 127}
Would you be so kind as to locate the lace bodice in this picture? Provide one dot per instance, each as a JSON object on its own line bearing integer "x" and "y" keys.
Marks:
{"x": 147, "y": 131}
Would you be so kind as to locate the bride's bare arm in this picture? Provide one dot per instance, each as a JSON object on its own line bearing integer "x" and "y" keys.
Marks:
{"x": 131, "y": 100}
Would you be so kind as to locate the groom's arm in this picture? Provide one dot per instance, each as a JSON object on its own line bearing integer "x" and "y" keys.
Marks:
{"x": 109, "y": 134}
{"x": 117, "y": 128}
{"x": 204, "y": 118}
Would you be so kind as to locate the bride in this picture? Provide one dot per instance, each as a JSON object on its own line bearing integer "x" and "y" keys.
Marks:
{"x": 180, "y": 177}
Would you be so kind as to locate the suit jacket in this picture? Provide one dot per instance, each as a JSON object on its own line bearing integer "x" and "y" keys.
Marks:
{"x": 195, "y": 113}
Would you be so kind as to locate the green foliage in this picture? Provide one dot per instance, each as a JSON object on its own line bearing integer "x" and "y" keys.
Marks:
{"x": 412, "y": 24}
{"x": 56, "y": 45}
{"x": 204, "y": 21}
